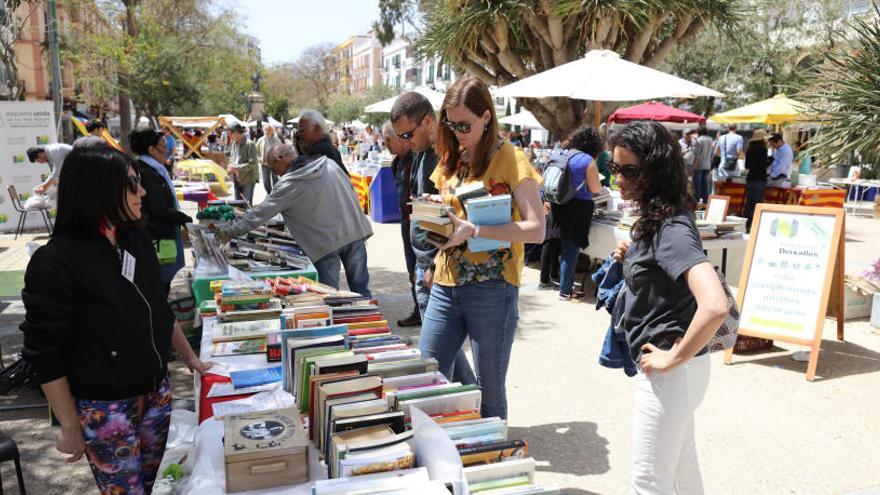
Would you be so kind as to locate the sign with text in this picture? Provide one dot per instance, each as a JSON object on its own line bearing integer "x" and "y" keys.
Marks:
{"x": 23, "y": 124}
{"x": 790, "y": 267}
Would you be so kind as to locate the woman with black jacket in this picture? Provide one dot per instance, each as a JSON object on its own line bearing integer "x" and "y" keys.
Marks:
{"x": 160, "y": 209}
{"x": 756, "y": 163}
{"x": 98, "y": 330}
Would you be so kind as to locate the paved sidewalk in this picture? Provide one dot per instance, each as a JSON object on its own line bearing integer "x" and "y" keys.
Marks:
{"x": 761, "y": 429}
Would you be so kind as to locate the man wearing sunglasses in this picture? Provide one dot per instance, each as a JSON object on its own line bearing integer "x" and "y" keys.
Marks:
{"x": 413, "y": 120}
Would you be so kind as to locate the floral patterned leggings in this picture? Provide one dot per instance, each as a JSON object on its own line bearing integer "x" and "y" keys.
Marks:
{"x": 125, "y": 439}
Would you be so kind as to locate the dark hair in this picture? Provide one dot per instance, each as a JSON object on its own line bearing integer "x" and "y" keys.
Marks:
{"x": 412, "y": 105}
{"x": 34, "y": 152}
{"x": 473, "y": 94}
{"x": 731, "y": 127}
{"x": 662, "y": 184}
{"x": 236, "y": 127}
{"x": 756, "y": 145}
{"x": 90, "y": 142}
{"x": 702, "y": 131}
{"x": 585, "y": 138}
{"x": 92, "y": 190}
{"x": 94, "y": 124}
{"x": 143, "y": 139}
{"x": 775, "y": 137}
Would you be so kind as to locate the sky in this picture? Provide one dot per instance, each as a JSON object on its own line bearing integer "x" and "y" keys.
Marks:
{"x": 287, "y": 27}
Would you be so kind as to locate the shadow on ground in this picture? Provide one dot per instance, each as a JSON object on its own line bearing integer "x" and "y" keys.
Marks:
{"x": 836, "y": 360}
{"x": 574, "y": 448}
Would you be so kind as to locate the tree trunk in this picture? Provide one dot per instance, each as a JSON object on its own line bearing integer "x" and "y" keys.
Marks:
{"x": 122, "y": 77}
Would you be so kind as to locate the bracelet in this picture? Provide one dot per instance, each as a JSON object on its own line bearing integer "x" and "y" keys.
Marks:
{"x": 476, "y": 231}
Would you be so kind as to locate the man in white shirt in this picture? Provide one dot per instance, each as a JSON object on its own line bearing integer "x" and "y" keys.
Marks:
{"x": 730, "y": 148}
{"x": 53, "y": 155}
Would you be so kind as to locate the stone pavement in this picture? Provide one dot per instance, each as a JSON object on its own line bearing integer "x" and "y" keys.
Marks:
{"x": 761, "y": 429}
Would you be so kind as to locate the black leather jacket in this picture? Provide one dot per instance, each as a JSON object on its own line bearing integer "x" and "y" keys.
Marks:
{"x": 109, "y": 336}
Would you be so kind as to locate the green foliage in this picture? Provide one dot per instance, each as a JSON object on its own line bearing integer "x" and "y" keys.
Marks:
{"x": 344, "y": 107}
{"x": 842, "y": 95}
{"x": 763, "y": 57}
{"x": 374, "y": 95}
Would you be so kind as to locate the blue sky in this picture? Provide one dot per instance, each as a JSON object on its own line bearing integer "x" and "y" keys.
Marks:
{"x": 286, "y": 27}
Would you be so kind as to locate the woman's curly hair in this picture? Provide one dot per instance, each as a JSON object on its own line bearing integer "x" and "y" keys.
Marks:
{"x": 662, "y": 184}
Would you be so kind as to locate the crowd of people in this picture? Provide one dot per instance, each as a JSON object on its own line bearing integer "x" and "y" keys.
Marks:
{"x": 99, "y": 331}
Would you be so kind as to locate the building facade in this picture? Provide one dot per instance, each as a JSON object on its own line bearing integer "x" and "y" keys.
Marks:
{"x": 366, "y": 63}
{"x": 340, "y": 62}
{"x": 402, "y": 68}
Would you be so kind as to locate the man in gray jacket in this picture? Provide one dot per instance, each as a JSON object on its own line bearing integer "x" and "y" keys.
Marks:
{"x": 321, "y": 211}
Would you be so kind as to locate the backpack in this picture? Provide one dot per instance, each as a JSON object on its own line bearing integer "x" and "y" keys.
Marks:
{"x": 557, "y": 178}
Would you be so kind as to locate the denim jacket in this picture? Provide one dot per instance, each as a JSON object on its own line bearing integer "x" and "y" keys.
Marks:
{"x": 615, "y": 352}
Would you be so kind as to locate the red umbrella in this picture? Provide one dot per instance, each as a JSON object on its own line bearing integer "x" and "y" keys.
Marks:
{"x": 654, "y": 111}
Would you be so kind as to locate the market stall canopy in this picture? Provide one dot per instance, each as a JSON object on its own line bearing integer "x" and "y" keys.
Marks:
{"x": 655, "y": 111}
{"x": 270, "y": 121}
{"x": 231, "y": 119}
{"x": 603, "y": 76}
{"x": 384, "y": 106}
{"x": 524, "y": 118}
{"x": 295, "y": 120}
{"x": 777, "y": 110}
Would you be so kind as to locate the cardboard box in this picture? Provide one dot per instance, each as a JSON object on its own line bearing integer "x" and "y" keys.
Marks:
{"x": 264, "y": 450}
{"x": 856, "y": 305}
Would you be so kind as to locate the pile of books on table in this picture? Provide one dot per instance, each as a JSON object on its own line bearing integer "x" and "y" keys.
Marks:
{"x": 355, "y": 386}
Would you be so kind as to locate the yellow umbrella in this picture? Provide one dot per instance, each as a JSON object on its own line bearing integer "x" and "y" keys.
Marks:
{"x": 777, "y": 110}
{"x": 204, "y": 171}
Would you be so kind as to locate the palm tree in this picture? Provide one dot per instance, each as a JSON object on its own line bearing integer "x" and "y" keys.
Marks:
{"x": 502, "y": 41}
{"x": 842, "y": 95}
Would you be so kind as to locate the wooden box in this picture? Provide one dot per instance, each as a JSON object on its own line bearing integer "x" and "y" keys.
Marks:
{"x": 264, "y": 450}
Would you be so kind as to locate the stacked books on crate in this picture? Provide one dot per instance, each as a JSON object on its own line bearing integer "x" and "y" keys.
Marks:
{"x": 731, "y": 228}
{"x": 355, "y": 386}
{"x": 246, "y": 301}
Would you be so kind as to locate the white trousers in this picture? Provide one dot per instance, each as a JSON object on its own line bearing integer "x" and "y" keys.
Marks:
{"x": 664, "y": 449}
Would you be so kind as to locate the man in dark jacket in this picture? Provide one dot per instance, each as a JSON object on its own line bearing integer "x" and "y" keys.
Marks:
{"x": 313, "y": 137}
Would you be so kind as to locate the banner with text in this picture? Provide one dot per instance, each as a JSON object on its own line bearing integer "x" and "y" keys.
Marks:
{"x": 23, "y": 124}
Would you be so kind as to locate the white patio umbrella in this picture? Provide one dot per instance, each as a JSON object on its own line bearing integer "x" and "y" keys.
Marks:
{"x": 271, "y": 121}
{"x": 231, "y": 119}
{"x": 295, "y": 120}
{"x": 384, "y": 106}
{"x": 603, "y": 76}
{"x": 523, "y": 118}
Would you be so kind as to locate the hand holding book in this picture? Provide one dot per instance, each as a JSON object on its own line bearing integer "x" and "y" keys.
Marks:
{"x": 462, "y": 230}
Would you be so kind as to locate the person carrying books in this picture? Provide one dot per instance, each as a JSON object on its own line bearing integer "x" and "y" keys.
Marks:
{"x": 413, "y": 122}
{"x": 673, "y": 304}
{"x": 98, "y": 330}
{"x": 474, "y": 294}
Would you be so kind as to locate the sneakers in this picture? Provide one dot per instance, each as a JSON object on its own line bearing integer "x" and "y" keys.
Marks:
{"x": 572, "y": 296}
{"x": 413, "y": 320}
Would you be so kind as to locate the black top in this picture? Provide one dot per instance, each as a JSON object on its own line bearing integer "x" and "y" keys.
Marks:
{"x": 84, "y": 320}
{"x": 159, "y": 209}
{"x": 659, "y": 305}
{"x": 756, "y": 163}
{"x": 325, "y": 148}
{"x": 420, "y": 183}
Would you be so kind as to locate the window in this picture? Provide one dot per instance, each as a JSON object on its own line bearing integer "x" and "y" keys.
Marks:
{"x": 396, "y": 61}
{"x": 430, "y": 74}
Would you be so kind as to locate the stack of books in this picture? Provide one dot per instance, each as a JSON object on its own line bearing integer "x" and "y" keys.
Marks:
{"x": 433, "y": 218}
{"x": 513, "y": 477}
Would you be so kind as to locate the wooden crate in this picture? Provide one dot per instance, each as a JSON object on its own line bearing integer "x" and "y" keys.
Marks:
{"x": 265, "y": 450}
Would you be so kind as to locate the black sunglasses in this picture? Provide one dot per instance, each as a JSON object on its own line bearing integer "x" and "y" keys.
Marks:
{"x": 630, "y": 172}
{"x": 134, "y": 181}
{"x": 462, "y": 127}
{"x": 406, "y": 136}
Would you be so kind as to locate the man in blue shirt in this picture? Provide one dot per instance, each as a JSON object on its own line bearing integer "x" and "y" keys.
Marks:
{"x": 780, "y": 168}
{"x": 730, "y": 148}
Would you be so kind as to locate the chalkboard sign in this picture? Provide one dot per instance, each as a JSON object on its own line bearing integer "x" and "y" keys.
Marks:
{"x": 793, "y": 261}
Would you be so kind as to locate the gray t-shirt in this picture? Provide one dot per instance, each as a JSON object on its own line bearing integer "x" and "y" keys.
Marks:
{"x": 703, "y": 150}
{"x": 659, "y": 305}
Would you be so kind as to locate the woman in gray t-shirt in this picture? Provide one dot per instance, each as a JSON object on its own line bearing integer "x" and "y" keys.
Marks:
{"x": 673, "y": 304}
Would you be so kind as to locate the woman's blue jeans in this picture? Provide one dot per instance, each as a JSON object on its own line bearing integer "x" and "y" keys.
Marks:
{"x": 568, "y": 266}
{"x": 487, "y": 313}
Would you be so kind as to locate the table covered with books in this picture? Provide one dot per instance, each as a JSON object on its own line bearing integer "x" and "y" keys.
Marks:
{"x": 312, "y": 393}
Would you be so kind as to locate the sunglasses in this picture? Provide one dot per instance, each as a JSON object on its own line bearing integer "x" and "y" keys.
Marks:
{"x": 134, "y": 181}
{"x": 630, "y": 172}
{"x": 460, "y": 127}
{"x": 407, "y": 136}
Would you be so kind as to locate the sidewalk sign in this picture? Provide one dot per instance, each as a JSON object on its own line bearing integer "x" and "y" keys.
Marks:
{"x": 793, "y": 264}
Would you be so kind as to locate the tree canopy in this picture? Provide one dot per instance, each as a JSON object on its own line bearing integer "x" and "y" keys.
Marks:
{"x": 502, "y": 41}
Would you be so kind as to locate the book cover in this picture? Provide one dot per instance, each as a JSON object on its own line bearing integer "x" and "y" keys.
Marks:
{"x": 492, "y": 452}
{"x": 254, "y": 377}
{"x": 239, "y": 347}
{"x": 489, "y": 210}
{"x": 406, "y": 367}
{"x": 470, "y": 191}
{"x": 430, "y": 219}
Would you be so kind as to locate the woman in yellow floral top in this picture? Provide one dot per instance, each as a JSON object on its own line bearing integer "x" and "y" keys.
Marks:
{"x": 475, "y": 294}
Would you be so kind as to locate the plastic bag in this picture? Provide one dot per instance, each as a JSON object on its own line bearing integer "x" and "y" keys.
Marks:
{"x": 36, "y": 202}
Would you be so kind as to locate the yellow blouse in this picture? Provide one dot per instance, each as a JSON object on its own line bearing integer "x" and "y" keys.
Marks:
{"x": 458, "y": 266}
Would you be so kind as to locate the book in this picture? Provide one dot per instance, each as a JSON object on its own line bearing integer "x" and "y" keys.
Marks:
{"x": 315, "y": 381}
{"x": 239, "y": 347}
{"x": 373, "y": 483}
{"x": 357, "y": 408}
{"x": 430, "y": 219}
{"x": 272, "y": 311}
{"x": 294, "y": 369}
{"x": 254, "y": 377}
{"x": 486, "y": 453}
{"x": 455, "y": 417}
{"x": 489, "y": 210}
{"x": 273, "y": 347}
{"x": 410, "y": 381}
{"x": 512, "y": 468}
{"x": 423, "y": 207}
{"x": 343, "y": 387}
{"x": 317, "y": 431}
{"x": 444, "y": 230}
{"x": 240, "y": 330}
{"x": 400, "y": 368}
{"x": 470, "y": 191}
{"x": 430, "y": 391}
{"x": 386, "y": 453}
{"x": 461, "y": 401}
{"x": 306, "y": 369}
{"x": 291, "y": 341}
